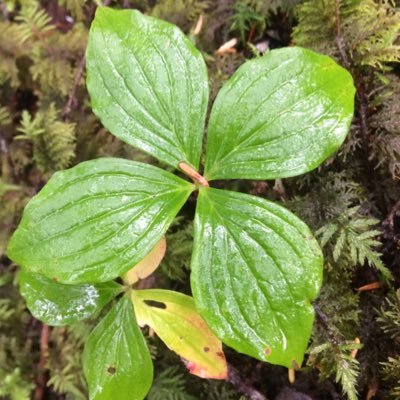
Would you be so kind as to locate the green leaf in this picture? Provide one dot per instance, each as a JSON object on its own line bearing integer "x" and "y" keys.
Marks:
{"x": 93, "y": 222}
{"x": 254, "y": 277}
{"x": 58, "y": 304}
{"x": 148, "y": 84}
{"x": 174, "y": 318}
{"x": 116, "y": 360}
{"x": 279, "y": 115}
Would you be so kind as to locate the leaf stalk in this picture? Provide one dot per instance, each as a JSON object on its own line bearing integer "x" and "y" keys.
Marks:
{"x": 193, "y": 174}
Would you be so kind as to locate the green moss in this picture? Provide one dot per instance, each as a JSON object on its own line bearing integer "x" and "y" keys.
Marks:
{"x": 46, "y": 124}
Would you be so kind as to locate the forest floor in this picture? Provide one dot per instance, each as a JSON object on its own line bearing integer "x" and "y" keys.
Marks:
{"x": 351, "y": 202}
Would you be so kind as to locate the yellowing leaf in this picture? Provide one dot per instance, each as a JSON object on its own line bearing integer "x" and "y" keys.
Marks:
{"x": 148, "y": 265}
{"x": 175, "y": 320}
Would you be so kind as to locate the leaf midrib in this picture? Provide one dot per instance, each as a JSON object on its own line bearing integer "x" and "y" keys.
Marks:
{"x": 96, "y": 217}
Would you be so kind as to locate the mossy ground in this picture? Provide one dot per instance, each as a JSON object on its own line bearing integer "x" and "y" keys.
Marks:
{"x": 351, "y": 202}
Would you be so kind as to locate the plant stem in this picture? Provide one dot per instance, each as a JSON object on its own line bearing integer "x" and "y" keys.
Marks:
{"x": 71, "y": 97}
{"x": 42, "y": 377}
{"x": 243, "y": 387}
{"x": 189, "y": 171}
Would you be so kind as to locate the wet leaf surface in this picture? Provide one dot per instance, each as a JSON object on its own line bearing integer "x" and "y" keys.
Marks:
{"x": 175, "y": 320}
{"x": 91, "y": 223}
{"x": 116, "y": 360}
{"x": 148, "y": 84}
{"x": 279, "y": 115}
{"x": 59, "y": 304}
{"x": 255, "y": 276}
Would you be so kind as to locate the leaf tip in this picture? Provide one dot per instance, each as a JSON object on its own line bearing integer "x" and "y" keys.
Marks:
{"x": 198, "y": 370}
{"x": 193, "y": 174}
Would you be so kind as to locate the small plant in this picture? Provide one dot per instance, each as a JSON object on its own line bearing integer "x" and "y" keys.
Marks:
{"x": 255, "y": 266}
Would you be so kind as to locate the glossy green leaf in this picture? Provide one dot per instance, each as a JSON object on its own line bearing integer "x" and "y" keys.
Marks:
{"x": 95, "y": 221}
{"x": 148, "y": 84}
{"x": 59, "y": 304}
{"x": 116, "y": 360}
{"x": 174, "y": 318}
{"x": 255, "y": 270}
{"x": 279, "y": 115}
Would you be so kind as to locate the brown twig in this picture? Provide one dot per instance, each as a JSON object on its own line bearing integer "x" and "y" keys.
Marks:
{"x": 4, "y": 11}
{"x": 251, "y": 34}
{"x": 199, "y": 25}
{"x": 370, "y": 286}
{"x": 191, "y": 173}
{"x": 81, "y": 68}
{"x": 363, "y": 112}
{"x": 390, "y": 231}
{"x": 42, "y": 376}
{"x": 355, "y": 351}
{"x": 338, "y": 38}
{"x": 7, "y": 163}
{"x": 71, "y": 98}
{"x": 362, "y": 108}
{"x": 324, "y": 321}
{"x": 393, "y": 213}
{"x": 347, "y": 63}
{"x": 280, "y": 189}
{"x": 243, "y": 387}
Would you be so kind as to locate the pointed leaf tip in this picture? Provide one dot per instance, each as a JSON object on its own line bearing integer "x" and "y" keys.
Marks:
{"x": 148, "y": 84}
{"x": 255, "y": 276}
{"x": 279, "y": 115}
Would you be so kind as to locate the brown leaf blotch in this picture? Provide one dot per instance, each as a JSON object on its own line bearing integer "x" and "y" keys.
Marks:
{"x": 267, "y": 351}
{"x": 206, "y": 349}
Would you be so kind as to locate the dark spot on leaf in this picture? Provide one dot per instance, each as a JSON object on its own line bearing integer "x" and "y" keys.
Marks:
{"x": 267, "y": 351}
{"x": 111, "y": 370}
{"x": 206, "y": 349}
{"x": 157, "y": 304}
{"x": 220, "y": 354}
{"x": 55, "y": 279}
{"x": 180, "y": 338}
